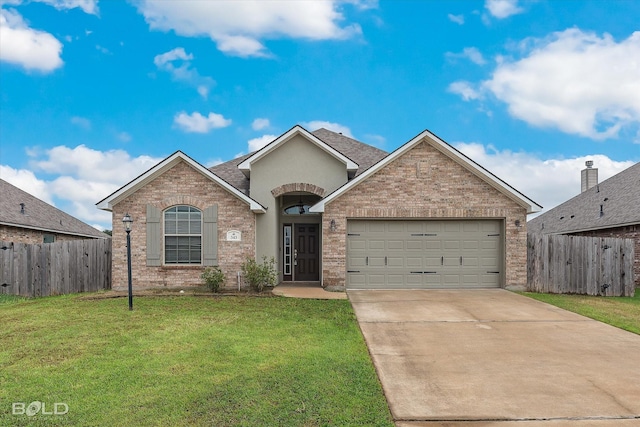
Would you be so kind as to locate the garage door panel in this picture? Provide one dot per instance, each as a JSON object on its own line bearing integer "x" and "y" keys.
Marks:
{"x": 412, "y": 254}
{"x": 470, "y": 245}
{"x": 356, "y": 245}
{"x": 451, "y": 245}
{"x": 432, "y": 261}
{"x": 414, "y": 262}
{"x": 414, "y": 245}
{"x": 395, "y": 245}
{"x": 395, "y": 262}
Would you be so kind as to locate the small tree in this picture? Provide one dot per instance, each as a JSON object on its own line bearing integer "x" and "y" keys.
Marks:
{"x": 260, "y": 275}
{"x": 213, "y": 277}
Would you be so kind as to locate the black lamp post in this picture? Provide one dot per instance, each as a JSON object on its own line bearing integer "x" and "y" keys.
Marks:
{"x": 127, "y": 221}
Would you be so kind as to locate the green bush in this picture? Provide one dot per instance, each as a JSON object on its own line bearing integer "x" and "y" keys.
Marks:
{"x": 260, "y": 275}
{"x": 213, "y": 277}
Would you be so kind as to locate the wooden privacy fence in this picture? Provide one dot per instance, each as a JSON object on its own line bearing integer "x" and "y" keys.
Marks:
{"x": 580, "y": 265}
{"x": 55, "y": 268}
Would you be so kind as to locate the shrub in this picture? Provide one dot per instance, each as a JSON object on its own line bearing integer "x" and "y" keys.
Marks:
{"x": 213, "y": 277}
{"x": 260, "y": 275}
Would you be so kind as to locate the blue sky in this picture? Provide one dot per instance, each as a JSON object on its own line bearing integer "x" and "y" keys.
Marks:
{"x": 93, "y": 93}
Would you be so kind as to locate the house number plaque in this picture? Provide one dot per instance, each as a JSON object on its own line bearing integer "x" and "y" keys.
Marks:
{"x": 234, "y": 236}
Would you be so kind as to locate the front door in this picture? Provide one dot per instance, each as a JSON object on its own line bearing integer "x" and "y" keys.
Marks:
{"x": 306, "y": 252}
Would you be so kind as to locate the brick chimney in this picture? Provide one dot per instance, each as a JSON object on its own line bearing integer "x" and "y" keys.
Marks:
{"x": 589, "y": 176}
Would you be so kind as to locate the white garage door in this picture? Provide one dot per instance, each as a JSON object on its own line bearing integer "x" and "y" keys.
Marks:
{"x": 424, "y": 254}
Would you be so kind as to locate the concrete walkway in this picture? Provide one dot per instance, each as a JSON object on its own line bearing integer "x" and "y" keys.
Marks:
{"x": 306, "y": 290}
{"x": 494, "y": 358}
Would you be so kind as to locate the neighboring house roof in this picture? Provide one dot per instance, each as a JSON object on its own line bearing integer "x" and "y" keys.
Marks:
{"x": 39, "y": 215}
{"x": 362, "y": 154}
{"x": 245, "y": 165}
{"x": 619, "y": 197}
{"x": 108, "y": 202}
{"x": 448, "y": 151}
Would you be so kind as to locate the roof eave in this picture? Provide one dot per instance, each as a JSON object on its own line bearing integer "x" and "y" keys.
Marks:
{"x": 51, "y": 230}
{"x": 139, "y": 182}
{"x": 450, "y": 152}
{"x": 245, "y": 165}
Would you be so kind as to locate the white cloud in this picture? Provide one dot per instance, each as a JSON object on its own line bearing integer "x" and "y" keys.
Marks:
{"x": 458, "y": 19}
{"x": 238, "y": 27}
{"x": 124, "y": 136}
{"x": 82, "y": 176}
{"x": 257, "y": 143}
{"x": 26, "y": 181}
{"x": 26, "y": 47}
{"x": 548, "y": 182}
{"x": 575, "y": 81}
{"x": 197, "y": 123}
{"x": 177, "y": 62}
{"x": 335, "y": 127}
{"x": 503, "y": 8}
{"x": 82, "y": 122}
{"x": 260, "y": 123}
{"x": 376, "y": 140}
{"x": 88, "y": 6}
{"x": 471, "y": 53}
{"x": 465, "y": 90}
{"x": 87, "y": 164}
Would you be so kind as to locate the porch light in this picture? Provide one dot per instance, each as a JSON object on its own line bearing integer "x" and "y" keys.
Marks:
{"x": 332, "y": 225}
{"x": 128, "y": 221}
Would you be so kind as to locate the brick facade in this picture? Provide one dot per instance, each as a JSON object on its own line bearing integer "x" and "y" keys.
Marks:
{"x": 627, "y": 232}
{"x": 31, "y": 236}
{"x": 422, "y": 184}
{"x": 180, "y": 185}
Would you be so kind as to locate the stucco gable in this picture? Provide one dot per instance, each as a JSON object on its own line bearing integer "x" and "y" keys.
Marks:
{"x": 245, "y": 166}
{"x": 447, "y": 150}
{"x": 108, "y": 202}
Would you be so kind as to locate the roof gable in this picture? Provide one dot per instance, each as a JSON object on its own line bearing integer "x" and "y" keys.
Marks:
{"x": 448, "y": 151}
{"x": 108, "y": 202}
{"x": 39, "y": 215}
{"x": 245, "y": 166}
{"x": 619, "y": 197}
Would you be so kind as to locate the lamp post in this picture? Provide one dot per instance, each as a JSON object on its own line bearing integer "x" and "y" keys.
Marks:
{"x": 127, "y": 221}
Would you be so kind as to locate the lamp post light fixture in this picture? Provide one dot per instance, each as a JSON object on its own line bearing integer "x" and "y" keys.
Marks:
{"x": 128, "y": 221}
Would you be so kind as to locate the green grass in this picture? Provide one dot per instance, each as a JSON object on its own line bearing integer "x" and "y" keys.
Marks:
{"x": 187, "y": 361}
{"x": 622, "y": 312}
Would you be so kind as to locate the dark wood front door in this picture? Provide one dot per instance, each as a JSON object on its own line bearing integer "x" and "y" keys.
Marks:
{"x": 306, "y": 252}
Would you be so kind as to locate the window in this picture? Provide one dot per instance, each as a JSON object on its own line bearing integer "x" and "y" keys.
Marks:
{"x": 49, "y": 238}
{"x": 182, "y": 235}
{"x": 299, "y": 209}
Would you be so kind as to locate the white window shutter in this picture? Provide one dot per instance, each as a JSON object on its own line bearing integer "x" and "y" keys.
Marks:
{"x": 210, "y": 236}
{"x": 154, "y": 236}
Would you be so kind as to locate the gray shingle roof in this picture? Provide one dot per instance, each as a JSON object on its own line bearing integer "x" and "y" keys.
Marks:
{"x": 38, "y": 214}
{"x": 364, "y": 155}
{"x": 618, "y": 195}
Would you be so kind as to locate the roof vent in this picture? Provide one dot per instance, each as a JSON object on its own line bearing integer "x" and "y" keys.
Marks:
{"x": 589, "y": 176}
{"x": 22, "y": 205}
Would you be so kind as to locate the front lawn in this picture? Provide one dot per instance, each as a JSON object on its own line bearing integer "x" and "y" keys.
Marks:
{"x": 622, "y": 312}
{"x": 187, "y": 361}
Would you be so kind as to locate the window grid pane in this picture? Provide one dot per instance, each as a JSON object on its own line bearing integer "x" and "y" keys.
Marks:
{"x": 183, "y": 240}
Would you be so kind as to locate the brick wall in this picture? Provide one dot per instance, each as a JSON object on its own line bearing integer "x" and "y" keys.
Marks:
{"x": 628, "y": 232}
{"x": 180, "y": 185}
{"x": 31, "y": 237}
{"x": 423, "y": 183}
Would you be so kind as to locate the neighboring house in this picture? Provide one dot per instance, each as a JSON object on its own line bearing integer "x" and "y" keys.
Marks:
{"x": 27, "y": 219}
{"x": 607, "y": 209}
{"x": 330, "y": 210}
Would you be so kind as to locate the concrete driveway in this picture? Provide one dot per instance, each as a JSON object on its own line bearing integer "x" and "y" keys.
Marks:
{"x": 495, "y": 358}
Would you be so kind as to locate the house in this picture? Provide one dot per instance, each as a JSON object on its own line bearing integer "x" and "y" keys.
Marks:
{"x": 607, "y": 209}
{"x": 330, "y": 210}
{"x": 27, "y": 219}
